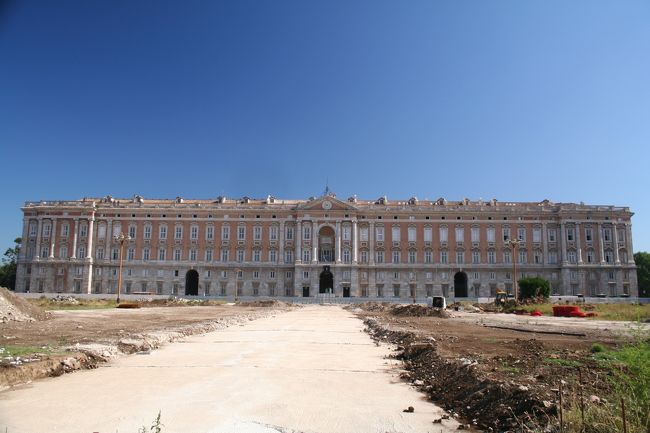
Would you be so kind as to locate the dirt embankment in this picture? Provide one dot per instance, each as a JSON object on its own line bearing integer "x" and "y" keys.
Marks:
{"x": 16, "y": 309}
{"x": 496, "y": 380}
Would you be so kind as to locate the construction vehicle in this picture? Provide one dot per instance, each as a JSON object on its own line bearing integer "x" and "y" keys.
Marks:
{"x": 500, "y": 298}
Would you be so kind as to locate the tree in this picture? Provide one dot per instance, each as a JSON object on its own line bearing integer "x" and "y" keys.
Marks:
{"x": 531, "y": 287}
{"x": 9, "y": 266}
{"x": 642, "y": 260}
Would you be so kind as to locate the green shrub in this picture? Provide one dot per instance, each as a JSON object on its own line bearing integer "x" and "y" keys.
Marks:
{"x": 532, "y": 287}
{"x": 597, "y": 348}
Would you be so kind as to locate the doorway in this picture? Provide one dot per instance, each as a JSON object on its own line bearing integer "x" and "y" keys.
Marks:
{"x": 192, "y": 283}
{"x": 460, "y": 285}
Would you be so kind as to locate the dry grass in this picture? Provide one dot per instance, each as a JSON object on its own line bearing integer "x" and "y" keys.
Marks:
{"x": 619, "y": 312}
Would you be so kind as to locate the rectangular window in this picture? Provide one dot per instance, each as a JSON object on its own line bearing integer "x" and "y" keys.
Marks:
{"x": 178, "y": 234}
{"x": 306, "y": 255}
{"x": 225, "y": 233}
{"x": 83, "y": 230}
{"x": 346, "y": 256}
{"x": 396, "y": 234}
{"x": 589, "y": 234}
{"x": 476, "y": 234}
{"x": 288, "y": 256}
{"x": 162, "y": 232}
{"x": 460, "y": 257}
{"x": 444, "y": 234}
{"x": 621, "y": 235}
{"x": 521, "y": 234}
{"x": 147, "y": 232}
{"x": 379, "y": 232}
{"x": 99, "y": 253}
{"x": 590, "y": 257}
{"x": 208, "y": 255}
{"x": 347, "y": 230}
{"x": 428, "y": 257}
{"x": 551, "y": 235}
{"x": 192, "y": 255}
{"x": 570, "y": 234}
{"x": 177, "y": 254}
{"x": 537, "y": 235}
{"x": 493, "y": 275}
{"x": 507, "y": 257}
{"x": 289, "y": 233}
{"x": 194, "y": 232}
{"x": 305, "y": 275}
{"x": 273, "y": 233}
{"x": 273, "y": 256}
{"x": 428, "y": 235}
{"x": 65, "y": 230}
{"x": 506, "y": 234}
{"x": 224, "y": 256}
{"x": 46, "y": 230}
{"x": 607, "y": 235}
{"x": 476, "y": 257}
{"x": 492, "y": 257}
{"x": 132, "y": 232}
{"x": 241, "y": 233}
{"x": 364, "y": 256}
{"x": 411, "y": 234}
{"x": 552, "y": 257}
{"x": 256, "y": 255}
{"x": 32, "y": 229}
{"x": 240, "y": 256}
{"x": 523, "y": 256}
{"x": 491, "y": 234}
{"x": 130, "y": 254}
{"x": 380, "y": 276}
{"x": 537, "y": 257}
{"x": 145, "y": 253}
{"x": 380, "y": 257}
{"x": 115, "y": 254}
{"x": 363, "y": 234}
{"x": 271, "y": 274}
{"x": 209, "y": 233}
{"x": 412, "y": 256}
{"x": 396, "y": 256}
{"x": 257, "y": 233}
{"x": 443, "y": 257}
{"x": 306, "y": 232}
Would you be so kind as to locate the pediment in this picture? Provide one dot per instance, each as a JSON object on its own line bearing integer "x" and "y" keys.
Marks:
{"x": 326, "y": 203}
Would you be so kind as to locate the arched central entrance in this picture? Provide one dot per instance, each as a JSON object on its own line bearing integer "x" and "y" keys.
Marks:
{"x": 326, "y": 284}
{"x": 192, "y": 283}
{"x": 326, "y": 244}
{"x": 460, "y": 285}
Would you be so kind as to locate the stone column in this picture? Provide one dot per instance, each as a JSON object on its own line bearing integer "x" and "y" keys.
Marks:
{"x": 628, "y": 236}
{"x": 544, "y": 244}
{"x": 298, "y": 242}
{"x": 89, "y": 246}
{"x": 74, "y": 239}
{"x": 615, "y": 234}
{"x": 602, "y": 244}
{"x": 39, "y": 230}
{"x": 281, "y": 241}
{"x": 22, "y": 254}
{"x": 314, "y": 242}
{"x": 338, "y": 242}
{"x": 371, "y": 242}
{"x": 53, "y": 238}
{"x": 355, "y": 242}
{"x": 578, "y": 243}
{"x": 563, "y": 243}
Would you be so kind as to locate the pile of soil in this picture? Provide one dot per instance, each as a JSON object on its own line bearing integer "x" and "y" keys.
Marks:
{"x": 15, "y": 308}
{"x": 372, "y": 306}
{"x": 417, "y": 310}
{"x": 263, "y": 303}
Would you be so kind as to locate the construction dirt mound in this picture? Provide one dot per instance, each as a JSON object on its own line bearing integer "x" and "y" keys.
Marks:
{"x": 15, "y": 308}
{"x": 373, "y": 306}
{"x": 417, "y": 310}
{"x": 263, "y": 303}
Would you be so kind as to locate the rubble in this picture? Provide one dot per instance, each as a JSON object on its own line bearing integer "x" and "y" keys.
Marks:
{"x": 14, "y": 308}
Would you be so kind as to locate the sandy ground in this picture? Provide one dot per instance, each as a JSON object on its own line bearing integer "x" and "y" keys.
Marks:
{"x": 309, "y": 370}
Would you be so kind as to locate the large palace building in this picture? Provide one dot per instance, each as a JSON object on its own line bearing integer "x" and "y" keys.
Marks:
{"x": 352, "y": 248}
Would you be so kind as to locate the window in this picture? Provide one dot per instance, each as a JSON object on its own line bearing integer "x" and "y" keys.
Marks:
{"x": 412, "y": 256}
{"x": 241, "y": 233}
{"x": 117, "y": 229}
{"x": 537, "y": 257}
{"x": 273, "y": 256}
{"x": 380, "y": 257}
{"x": 590, "y": 256}
{"x": 257, "y": 233}
{"x": 193, "y": 255}
{"x": 395, "y": 234}
{"x": 209, "y": 233}
{"x": 147, "y": 231}
{"x": 363, "y": 234}
{"x": 552, "y": 257}
{"x": 162, "y": 232}
{"x": 609, "y": 257}
{"x": 347, "y": 230}
{"x": 492, "y": 257}
{"x": 443, "y": 257}
{"x": 607, "y": 235}
{"x": 177, "y": 254}
{"x": 47, "y": 229}
{"x": 460, "y": 257}
{"x": 289, "y": 233}
{"x": 305, "y": 275}
{"x": 178, "y": 233}
{"x": 621, "y": 235}
{"x": 271, "y": 274}
{"x": 65, "y": 230}
{"x": 273, "y": 233}
{"x": 256, "y": 255}
{"x": 507, "y": 257}
{"x": 589, "y": 235}
{"x": 306, "y": 232}
{"x": 99, "y": 253}
{"x": 443, "y": 234}
{"x": 379, "y": 234}
{"x": 551, "y": 235}
{"x": 428, "y": 256}
{"x": 346, "y": 256}
{"x": 411, "y": 234}
{"x": 476, "y": 235}
{"x": 288, "y": 256}
{"x": 537, "y": 235}
{"x": 288, "y": 275}
{"x": 145, "y": 253}
{"x": 380, "y": 276}
{"x": 224, "y": 255}
{"x": 132, "y": 230}
{"x": 506, "y": 234}
{"x": 83, "y": 230}
{"x": 521, "y": 234}
{"x": 570, "y": 234}
{"x": 493, "y": 276}
{"x": 256, "y": 274}
{"x": 208, "y": 255}
{"x": 523, "y": 256}
{"x": 306, "y": 255}
{"x": 428, "y": 234}
{"x": 364, "y": 256}
{"x": 240, "y": 256}
{"x": 476, "y": 257}
{"x": 571, "y": 257}
{"x": 32, "y": 229}
{"x": 396, "y": 256}
{"x": 491, "y": 235}
{"x": 225, "y": 233}
{"x": 115, "y": 254}
{"x": 63, "y": 252}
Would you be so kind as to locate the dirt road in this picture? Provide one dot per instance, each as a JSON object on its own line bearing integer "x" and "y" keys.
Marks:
{"x": 310, "y": 370}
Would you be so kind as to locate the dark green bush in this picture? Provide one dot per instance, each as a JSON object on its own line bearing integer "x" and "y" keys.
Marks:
{"x": 532, "y": 287}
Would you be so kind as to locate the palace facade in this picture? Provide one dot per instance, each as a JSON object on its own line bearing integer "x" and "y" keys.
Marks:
{"x": 353, "y": 248}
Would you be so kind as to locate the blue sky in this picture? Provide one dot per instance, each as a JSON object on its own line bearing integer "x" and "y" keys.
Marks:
{"x": 507, "y": 99}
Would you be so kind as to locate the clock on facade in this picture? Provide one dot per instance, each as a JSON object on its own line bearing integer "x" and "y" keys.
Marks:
{"x": 327, "y": 205}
